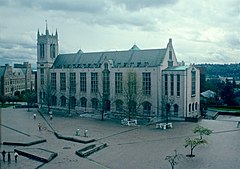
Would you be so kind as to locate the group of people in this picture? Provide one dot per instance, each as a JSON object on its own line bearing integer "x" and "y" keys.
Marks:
{"x": 9, "y": 156}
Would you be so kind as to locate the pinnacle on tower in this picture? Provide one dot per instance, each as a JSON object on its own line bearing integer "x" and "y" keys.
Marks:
{"x": 56, "y": 34}
{"x": 38, "y": 34}
{"x": 47, "y": 32}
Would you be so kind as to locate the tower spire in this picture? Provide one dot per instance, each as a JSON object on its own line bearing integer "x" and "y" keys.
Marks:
{"x": 47, "y": 32}
{"x": 38, "y": 34}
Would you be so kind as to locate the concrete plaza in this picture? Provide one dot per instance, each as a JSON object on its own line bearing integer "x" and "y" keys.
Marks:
{"x": 141, "y": 147}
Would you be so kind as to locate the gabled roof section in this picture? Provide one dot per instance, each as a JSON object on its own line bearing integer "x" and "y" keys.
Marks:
{"x": 127, "y": 58}
{"x": 135, "y": 47}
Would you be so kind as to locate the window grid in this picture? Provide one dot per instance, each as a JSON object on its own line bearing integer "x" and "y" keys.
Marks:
{"x": 42, "y": 51}
{"x": 193, "y": 83}
{"x": 178, "y": 85}
{"x": 94, "y": 82}
{"x": 166, "y": 84}
{"x": 172, "y": 84}
{"x": 53, "y": 81}
{"x": 73, "y": 82}
{"x": 42, "y": 76}
{"x": 147, "y": 83}
{"x": 63, "y": 81}
{"x": 83, "y": 82}
{"x": 118, "y": 83}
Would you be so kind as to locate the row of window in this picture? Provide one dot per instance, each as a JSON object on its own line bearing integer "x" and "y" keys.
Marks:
{"x": 172, "y": 83}
{"x": 192, "y": 107}
{"x": 52, "y": 50}
{"x": 178, "y": 83}
{"x": 147, "y": 106}
{"x": 131, "y": 82}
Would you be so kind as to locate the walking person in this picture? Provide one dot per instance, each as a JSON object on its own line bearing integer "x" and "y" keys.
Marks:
{"x": 9, "y": 157}
{"x": 3, "y": 155}
{"x": 15, "y": 156}
{"x": 50, "y": 117}
{"x": 34, "y": 116}
{"x": 39, "y": 127}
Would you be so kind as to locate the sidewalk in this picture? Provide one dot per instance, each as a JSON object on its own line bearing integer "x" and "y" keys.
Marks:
{"x": 128, "y": 147}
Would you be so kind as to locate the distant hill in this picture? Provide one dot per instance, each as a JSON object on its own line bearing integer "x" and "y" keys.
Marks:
{"x": 224, "y": 70}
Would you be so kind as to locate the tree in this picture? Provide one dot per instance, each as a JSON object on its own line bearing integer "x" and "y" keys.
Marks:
{"x": 132, "y": 93}
{"x": 193, "y": 143}
{"x": 29, "y": 97}
{"x": 228, "y": 93}
{"x": 2, "y": 99}
{"x": 202, "y": 131}
{"x": 173, "y": 159}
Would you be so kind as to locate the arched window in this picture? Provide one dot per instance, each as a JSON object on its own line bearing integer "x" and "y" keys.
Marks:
{"x": 196, "y": 106}
{"x": 106, "y": 105}
{"x": 147, "y": 108}
{"x": 193, "y": 107}
{"x": 83, "y": 101}
{"x": 72, "y": 102}
{"x": 189, "y": 107}
{"x": 94, "y": 103}
{"x": 119, "y": 105}
{"x": 54, "y": 100}
{"x": 63, "y": 101}
{"x": 132, "y": 106}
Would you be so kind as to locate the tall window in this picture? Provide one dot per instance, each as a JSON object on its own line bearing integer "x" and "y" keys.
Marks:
{"x": 172, "y": 84}
{"x": 118, "y": 83}
{"x": 63, "y": 81}
{"x": 63, "y": 101}
{"x": 83, "y": 82}
{"x": 42, "y": 50}
{"x": 178, "y": 85}
{"x": 42, "y": 76}
{"x": 52, "y": 50}
{"x": 193, "y": 82}
{"x": 53, "y": 81}
{"x": 146, "y": 83}
{"x": 132, "y": 83}
{"x": 73, "y": 82}
{"x": 166, "y": 84}
{"x": 94, "y": 82}
{"x": 106, "y": 80}
{"x": 170, "y": 55}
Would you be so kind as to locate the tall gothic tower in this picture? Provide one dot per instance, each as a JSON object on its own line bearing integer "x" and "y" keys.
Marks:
{"x": 47, "y": 51}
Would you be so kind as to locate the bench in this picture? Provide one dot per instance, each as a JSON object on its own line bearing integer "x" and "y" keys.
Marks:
{"x": 127, "y": 122}
{"x": 163, "y": 126}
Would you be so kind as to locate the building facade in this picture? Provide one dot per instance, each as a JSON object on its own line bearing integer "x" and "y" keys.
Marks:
{"x": 148, "y": 81}
{"x": 15, "y": 79}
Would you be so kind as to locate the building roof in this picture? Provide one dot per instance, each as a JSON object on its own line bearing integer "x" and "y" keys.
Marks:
{"x": 177, "y": 68}
{"x": 208, "y": 94}
{"x": 134, "y": 57}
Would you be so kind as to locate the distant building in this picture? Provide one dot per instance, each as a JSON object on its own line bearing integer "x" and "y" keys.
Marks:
{"x": 80, "y": 80}
{"x": 15, "y": 79}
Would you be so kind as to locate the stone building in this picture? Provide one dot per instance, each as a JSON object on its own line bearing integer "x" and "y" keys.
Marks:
{"x": 15, "y": 79}
{"x": 84, "y": 81}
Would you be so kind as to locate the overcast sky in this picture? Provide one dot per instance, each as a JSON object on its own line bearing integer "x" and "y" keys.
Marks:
{"x": 203, "y": 31}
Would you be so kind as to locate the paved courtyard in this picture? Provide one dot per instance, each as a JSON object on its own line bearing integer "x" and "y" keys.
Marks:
{"x": 141, "y": 147}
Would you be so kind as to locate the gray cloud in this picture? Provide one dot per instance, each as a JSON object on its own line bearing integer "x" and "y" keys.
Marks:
{"x": 140, "y": 4}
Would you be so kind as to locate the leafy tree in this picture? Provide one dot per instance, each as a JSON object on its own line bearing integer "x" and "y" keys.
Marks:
{"x": 2, "y": 99}
{"x": 30, "y": 97}
{"x": 228, "y": 93}
{"x": 173, "y": 159}
{"x": 132, "y": 93}
{"x": 202, "y": 131}
{"x": 193, "y": 143}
